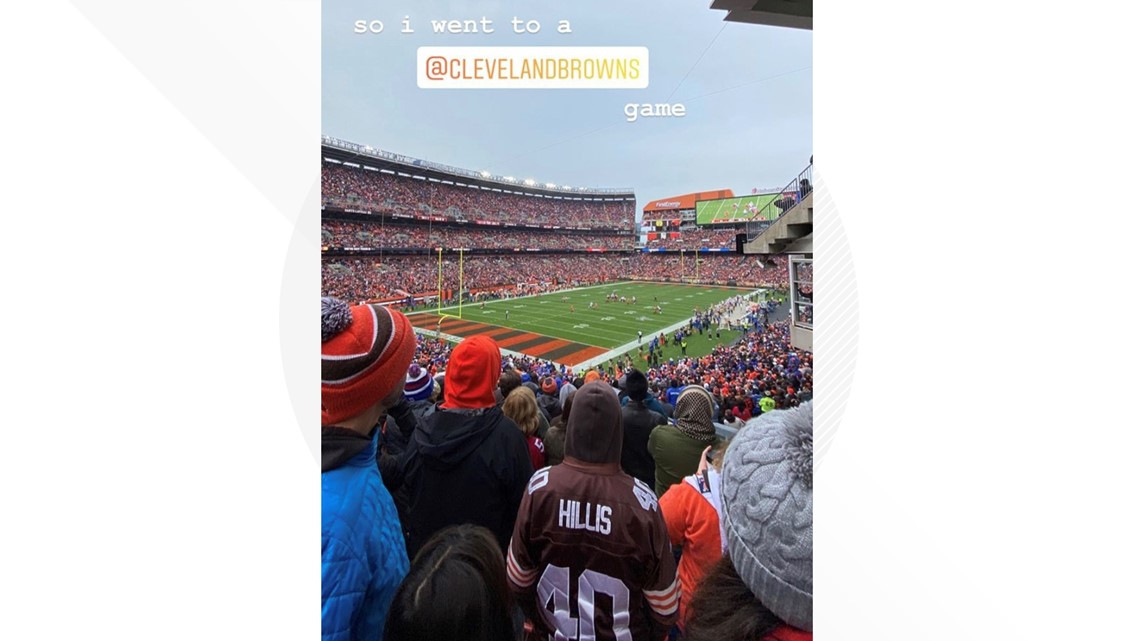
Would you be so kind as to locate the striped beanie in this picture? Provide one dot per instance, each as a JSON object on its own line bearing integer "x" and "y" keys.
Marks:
{"x": 365, "y": 352}
{"x": 418, "y": 385}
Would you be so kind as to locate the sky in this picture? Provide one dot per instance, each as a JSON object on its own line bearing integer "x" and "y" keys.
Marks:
{"x": 747, "y": 91}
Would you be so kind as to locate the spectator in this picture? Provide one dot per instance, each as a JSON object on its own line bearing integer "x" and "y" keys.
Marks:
{"x": 555, "y": 441}
{"x": 673, "y": 392}
{"x": 585, "y": 523}
{"x": 415, "y": 406}
{"x": 401, "y": 422}
{"x": 692, "y": 512}
{"x": 676, "y": 448}
{"x": 762, "y": 589}
{"x": 508, "y": 381}
{"x": 521, "y": 408}
{"x": 345, "y": 187}
{"x": 548, "y": 399}
{"x": 467, "y": 463}
{"x": 637, "y": 423}
{"x": 363, "y": 558}
{"x": 456, "y": 589}
{"x": 566, "y": 390}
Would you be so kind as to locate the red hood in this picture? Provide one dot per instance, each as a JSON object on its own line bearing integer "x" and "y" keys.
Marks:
{"x": 472, "y": 372}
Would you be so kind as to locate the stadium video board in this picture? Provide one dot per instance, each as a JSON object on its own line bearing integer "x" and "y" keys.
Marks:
{"x": 738, "y": 209}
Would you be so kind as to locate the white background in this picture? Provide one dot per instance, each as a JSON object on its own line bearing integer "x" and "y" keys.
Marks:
{"x": 158, "y": 258}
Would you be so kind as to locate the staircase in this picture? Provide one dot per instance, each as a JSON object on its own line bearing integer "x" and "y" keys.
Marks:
{"x": 793, "y": 225}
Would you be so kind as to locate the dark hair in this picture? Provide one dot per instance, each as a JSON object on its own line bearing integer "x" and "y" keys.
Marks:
{"x": 508, "y": 381}
{"x": 455, "y": 589}
{"x": 555, "y": 444}
{"x": 636, "y": 385}
{"x": 724, "y": 608}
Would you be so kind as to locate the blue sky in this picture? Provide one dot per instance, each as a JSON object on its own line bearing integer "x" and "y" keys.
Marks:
{"x": 748, "y": 99}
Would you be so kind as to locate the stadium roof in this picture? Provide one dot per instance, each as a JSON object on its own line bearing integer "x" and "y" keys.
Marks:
{"x": 350, "y": 153}
{"x": 774, "y": 13}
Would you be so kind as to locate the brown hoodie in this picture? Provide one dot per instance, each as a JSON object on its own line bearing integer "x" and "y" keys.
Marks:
{"x": 593, "y": 431}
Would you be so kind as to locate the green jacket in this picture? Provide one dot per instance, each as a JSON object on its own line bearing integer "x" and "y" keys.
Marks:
{"x": 676, "y": 455}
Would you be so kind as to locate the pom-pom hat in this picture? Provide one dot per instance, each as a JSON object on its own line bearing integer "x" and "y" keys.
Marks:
{"x": 365, "y": 353}
{"x": 419, "y": 384}
{"x": 766, "y": 489}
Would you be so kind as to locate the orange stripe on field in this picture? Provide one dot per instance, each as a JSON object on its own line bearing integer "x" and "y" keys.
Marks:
{"x": 582, "y": 355}
{"x": 519, "y": 339}
{"x": 554, "y": 344}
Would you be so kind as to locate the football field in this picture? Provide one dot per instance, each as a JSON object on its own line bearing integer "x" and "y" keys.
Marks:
{"x": 546, "y": 327}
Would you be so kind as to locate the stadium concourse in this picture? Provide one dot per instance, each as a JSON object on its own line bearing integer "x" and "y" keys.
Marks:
{"x": 512, "y": 428}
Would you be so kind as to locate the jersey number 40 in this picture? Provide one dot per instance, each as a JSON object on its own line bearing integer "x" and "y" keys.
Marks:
{"x": 554, "y": 595}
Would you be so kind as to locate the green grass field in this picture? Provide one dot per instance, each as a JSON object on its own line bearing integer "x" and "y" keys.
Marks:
{"x": 610, "y": 326}
{"x": 720, "y": 211}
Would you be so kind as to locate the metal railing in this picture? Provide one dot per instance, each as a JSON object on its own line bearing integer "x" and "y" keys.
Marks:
{"x": 788, "y": 198}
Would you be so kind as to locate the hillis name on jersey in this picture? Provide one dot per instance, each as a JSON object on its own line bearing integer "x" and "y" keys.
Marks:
{"x": 597, "y": 517}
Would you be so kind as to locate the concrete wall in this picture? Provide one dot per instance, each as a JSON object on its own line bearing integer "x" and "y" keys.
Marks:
{"x": 801, "y": 246}
{"x": 801, "y": 338}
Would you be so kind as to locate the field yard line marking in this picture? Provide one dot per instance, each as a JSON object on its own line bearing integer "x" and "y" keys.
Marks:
{"x": 507, "y": 300}
{"x": 540, "y": 316}
{"x": 616, "y": 333}
{"x": 616, "y": 283}
{"x": 544, "y": 317}
{"x": 618, "y": 351}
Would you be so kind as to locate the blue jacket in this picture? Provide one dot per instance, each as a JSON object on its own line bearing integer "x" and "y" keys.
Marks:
{"x": 363, "y": 555}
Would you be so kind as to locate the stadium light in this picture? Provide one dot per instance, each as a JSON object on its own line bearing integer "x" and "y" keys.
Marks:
{"x": 551, "y": 185}
{"x": 485, "y": 174}
{"x": 529, "y": 182}
{"x": 509, "y": 179}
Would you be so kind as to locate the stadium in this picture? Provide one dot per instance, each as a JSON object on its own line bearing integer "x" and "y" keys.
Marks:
{"x": 554, "y": 273}
{"x": 535, "y": 380}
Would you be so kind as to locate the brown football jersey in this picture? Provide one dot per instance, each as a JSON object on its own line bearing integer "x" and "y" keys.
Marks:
{"x": 590, "y": 557}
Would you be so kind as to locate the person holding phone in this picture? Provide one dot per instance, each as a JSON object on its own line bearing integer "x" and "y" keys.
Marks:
{"x": 692, "y": 512}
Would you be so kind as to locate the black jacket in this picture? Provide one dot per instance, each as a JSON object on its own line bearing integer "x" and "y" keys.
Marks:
{"x": 400, "y": 424}
{"x": 465, "y": 466}
{"x": 549, "y": 406}
{"x": 637, "y": 422}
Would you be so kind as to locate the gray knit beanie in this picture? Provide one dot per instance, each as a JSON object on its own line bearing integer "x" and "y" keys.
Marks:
{"x": 766, "y": 489}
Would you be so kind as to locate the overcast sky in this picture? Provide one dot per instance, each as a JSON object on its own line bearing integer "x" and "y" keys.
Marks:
{"x": 748, "y": 99}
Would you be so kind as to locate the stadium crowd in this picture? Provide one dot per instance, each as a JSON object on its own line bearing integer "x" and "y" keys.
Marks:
{"x": 692, "y": 238}
{"x": 380, "y": 277}
{"x": 497, "y": 499}
{"x": 358, "y": 188}
{"x": 376, "y": 235}
{"x": 364, "y": 278}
